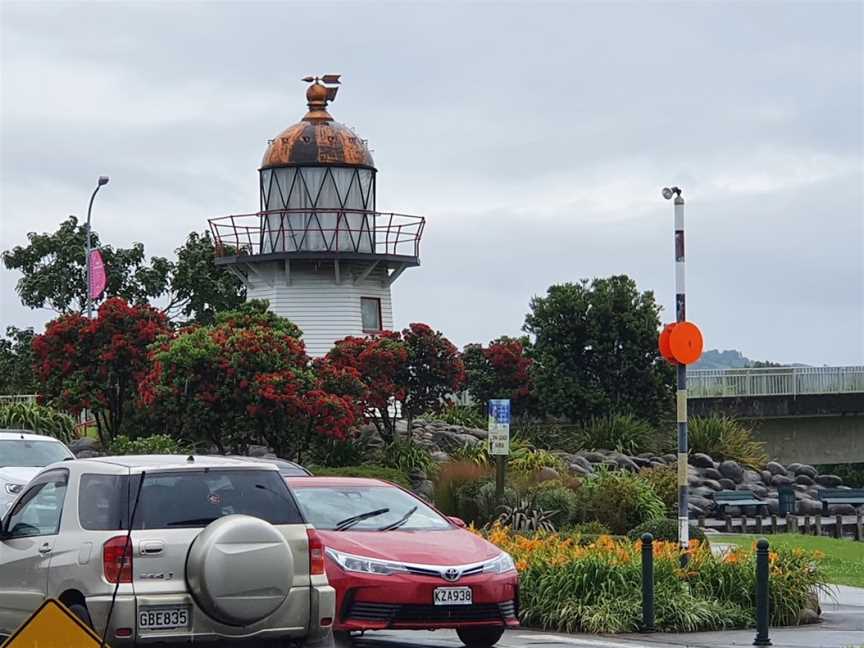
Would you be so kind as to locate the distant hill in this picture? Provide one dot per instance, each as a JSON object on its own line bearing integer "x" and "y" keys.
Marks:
{"x": 731, "y": 359}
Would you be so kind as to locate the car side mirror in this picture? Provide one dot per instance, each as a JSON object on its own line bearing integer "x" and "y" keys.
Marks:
{"x": 459, "y": 522}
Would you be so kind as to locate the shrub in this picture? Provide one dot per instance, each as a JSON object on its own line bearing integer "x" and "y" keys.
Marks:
{"x": 851, "y": 474}
{"x": 532, "y": 460}
{"x": 621, "y": 432}
{"x": 408, "y": 457}
{"x": 592, "y": 529}
{"x": 618, "y": 499}
{"x": 39, "y": 419}
{"x": 368, "y": 471}
{"x": 557, "y": 499}
{"x": 470, "y": 416}
{"x": 566, "y": 586}
{"x": 477, "y": 453}
{"x": 551, "y": 436}
{"x": 524, "y": 516}
{"x": 665, "y": 530}
{"x": 725, "y": 438}
{"x": 449, "y": 479}
{"x": 664, "y": 481}
{"x": 155, "y": 444}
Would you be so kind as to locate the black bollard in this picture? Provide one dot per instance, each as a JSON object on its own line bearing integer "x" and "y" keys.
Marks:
{"x": 647, "y": 583}
{"x": 762, "y": 638}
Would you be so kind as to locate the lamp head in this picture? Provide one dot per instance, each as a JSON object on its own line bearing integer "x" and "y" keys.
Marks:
{"x": 668, "y": 192}
{"x": 103, "y": 180}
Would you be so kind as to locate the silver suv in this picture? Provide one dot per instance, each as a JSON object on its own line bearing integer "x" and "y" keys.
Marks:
{"x": 217, "y": 550}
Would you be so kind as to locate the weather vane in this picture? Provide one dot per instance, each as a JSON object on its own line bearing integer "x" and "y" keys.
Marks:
{"x": 329, "y": 81}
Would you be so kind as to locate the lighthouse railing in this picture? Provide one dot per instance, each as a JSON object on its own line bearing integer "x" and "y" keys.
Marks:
{"x": 318, "y": 230}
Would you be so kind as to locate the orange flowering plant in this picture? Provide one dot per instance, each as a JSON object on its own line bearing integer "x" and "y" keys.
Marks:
{"x": 576, "y": 583}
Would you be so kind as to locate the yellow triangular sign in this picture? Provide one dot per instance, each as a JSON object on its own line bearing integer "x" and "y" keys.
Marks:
{"x": 53, "y": 625}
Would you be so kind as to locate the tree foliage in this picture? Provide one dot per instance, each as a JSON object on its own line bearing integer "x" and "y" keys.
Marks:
{"x": 247, "y": 379}
{"x": 97, "y": 364}
{"x": 16, "y": 362}
{"x": 412, "y": 372}
{"x": 500, "y": 370}
{"x": 53, "y": 272}
{"x": 595, "y": 350}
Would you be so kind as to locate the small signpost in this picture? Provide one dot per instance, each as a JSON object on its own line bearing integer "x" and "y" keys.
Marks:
{"x": 53, "y": 625}
{"x": 499, "y": 440}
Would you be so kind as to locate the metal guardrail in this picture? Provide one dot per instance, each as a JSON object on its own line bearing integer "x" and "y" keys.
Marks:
{"x": 774, "y": 381}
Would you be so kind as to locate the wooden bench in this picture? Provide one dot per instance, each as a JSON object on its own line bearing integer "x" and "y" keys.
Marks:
{"x": 725, "y": 498}
{"x": 828, "y": 496}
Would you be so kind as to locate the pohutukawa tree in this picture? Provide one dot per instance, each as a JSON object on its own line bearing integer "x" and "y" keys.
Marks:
{"x": 411, "y": 372}
{"x": 247, "y": 379}
{"x": 98, "y": 364}
{"x": 500, "y": 370}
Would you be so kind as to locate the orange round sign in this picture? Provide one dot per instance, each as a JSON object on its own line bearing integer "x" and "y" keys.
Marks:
{"x": 685, "y": 342}
{"x": 663, "y": 342}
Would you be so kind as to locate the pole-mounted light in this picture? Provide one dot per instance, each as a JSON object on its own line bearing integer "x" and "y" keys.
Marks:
{"x": 102, "y": 181}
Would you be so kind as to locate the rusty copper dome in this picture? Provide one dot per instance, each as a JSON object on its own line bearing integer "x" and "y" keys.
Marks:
{"x": 317, "y": 139}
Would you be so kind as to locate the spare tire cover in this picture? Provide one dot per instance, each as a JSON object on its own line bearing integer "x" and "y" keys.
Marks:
{"x": 239, "y": 569}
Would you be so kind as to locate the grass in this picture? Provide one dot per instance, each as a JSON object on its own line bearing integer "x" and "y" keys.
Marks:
{"x": 844, "y": 559}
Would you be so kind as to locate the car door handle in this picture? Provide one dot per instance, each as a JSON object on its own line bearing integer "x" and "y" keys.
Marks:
{"x": 152, "y": 547}
{"x": 46, "y": 548}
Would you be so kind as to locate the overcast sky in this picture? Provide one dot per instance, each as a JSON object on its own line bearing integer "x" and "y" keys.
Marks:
{"x": 534, "y": 137}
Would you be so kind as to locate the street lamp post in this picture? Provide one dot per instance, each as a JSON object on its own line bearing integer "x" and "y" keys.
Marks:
{"x": 88, "y": 247}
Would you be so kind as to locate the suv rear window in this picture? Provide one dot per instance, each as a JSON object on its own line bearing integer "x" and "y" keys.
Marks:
{"x": 175, "y": 500}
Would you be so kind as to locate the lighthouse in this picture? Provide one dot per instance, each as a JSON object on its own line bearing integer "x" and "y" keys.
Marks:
{"x": 318, "y": 250}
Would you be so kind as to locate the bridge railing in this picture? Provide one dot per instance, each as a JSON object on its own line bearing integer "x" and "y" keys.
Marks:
{"x": 774, "y": 381}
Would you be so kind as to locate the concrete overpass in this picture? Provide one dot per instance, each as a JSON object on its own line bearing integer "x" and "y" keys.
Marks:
{"x": 806, "y": 414}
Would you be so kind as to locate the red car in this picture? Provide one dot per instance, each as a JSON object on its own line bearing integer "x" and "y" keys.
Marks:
{"x": 396, "y": 562}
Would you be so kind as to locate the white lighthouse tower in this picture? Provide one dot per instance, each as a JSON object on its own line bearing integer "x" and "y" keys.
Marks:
{"x": 318, "y": 250}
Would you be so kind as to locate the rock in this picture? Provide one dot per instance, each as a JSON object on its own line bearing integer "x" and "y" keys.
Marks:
{"x": 801, "y": 488}
{"x": 425, "y": 489}
{"x": 478, "y": 433}
{"x": 582, "y": 462}
{"x": 807, "y": 616}
{"x": 610, "y": 464}
{"x": 712, "y": 473}
{"x": 842, "y": 509}
{"x": 807, "y": 506}
{"x": 439, "y": 456}
{"x": 695, "y": 482}
{"x": 804, "y": 480}
{"x": 658, "y": 464}
{"x": 731, "y": 470}
{"x": 448, "y": 440}
{"x": 417, "y": 475}
{"x": 85, "y": 443}
{"x": 701, "y": 460}
{"x": 773, "y": 505}
{"x": 88, "y": 454}
{"x": 547, "y": 474}
{"x": 752, "y": 477}
{"x": 626, "y": 463}
{"x": 726, "y": 483}
{"x": 703, "y": 503}
{"x": 805, "y": 469}
{"x": 828, "y": 481}
{"x": 670, "y": 458}
{"x": 656, "y": 459}
{"x": 775, "y": 468}
{"x": 702, "y": 491}
{"x": 594, "y": 457}
{"x": 713, "y": 484}
{"x": 576, "y": 469}
{"x": 258, "y": 451}
{"x": 766, "y": 476}
{"x": 757, "y": 489}
{"x": 641, "y": 462}
{"x": 793, "y": 468}
{"x": 782, "y": 480}
{"x": 645, "y": 455}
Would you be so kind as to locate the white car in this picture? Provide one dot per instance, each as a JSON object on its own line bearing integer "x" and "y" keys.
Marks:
{"x": 22, "y": 455}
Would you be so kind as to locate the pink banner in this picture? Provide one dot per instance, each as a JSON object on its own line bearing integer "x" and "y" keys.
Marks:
{"x": 98, "y": 279}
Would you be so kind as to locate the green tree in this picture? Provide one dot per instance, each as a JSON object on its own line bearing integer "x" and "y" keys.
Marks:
{"x": 192, "y": 288}
{"x": 595, "y": 350}
{"x": 16, "y": 362}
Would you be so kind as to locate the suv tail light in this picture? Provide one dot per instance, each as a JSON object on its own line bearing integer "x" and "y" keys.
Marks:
{"x": 316, "y": 553}
{"x": 117, "y": 560}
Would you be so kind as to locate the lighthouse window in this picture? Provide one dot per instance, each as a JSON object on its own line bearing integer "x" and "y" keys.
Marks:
{"x": 370, "y": 310}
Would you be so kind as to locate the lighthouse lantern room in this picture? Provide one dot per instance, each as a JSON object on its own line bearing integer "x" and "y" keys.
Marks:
{"x": 318, "y": 250}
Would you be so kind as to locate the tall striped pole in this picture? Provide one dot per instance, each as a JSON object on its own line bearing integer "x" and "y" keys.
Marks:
{"x": 681, "y": 382}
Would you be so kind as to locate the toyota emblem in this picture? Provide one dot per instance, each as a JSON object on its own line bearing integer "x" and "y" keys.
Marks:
{"x": 451, "y": 574}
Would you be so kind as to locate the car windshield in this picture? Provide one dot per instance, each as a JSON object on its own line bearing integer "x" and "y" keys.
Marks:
{"x": 173, "y": 500}
{"x": 24, "y": 453}
{"x": 366, "y": 508}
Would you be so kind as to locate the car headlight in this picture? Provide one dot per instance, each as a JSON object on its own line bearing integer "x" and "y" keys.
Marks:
{"x": 501, "y": 565}
{"x": 363, "y": 565}
{"x": 14, "y": 489}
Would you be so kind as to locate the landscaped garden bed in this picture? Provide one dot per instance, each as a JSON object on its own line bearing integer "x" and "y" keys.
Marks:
{"x": 572, "y": 583}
